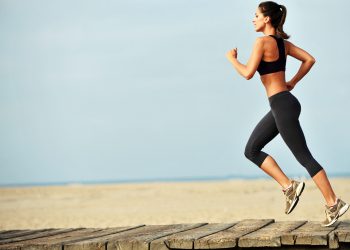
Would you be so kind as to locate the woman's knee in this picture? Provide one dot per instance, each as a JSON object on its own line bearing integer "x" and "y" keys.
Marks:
{"x": 254, "y": 155}
{"x": 249, "y": 152}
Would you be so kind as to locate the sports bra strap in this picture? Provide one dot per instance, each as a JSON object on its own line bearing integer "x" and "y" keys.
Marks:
{"x": 280, "y": 45}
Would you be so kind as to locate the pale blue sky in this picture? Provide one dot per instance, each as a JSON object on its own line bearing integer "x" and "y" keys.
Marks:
{"x": 120, "y": 90}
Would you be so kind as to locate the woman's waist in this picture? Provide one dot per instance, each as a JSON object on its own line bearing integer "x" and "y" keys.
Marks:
{"x": 273, "y": 82}
{"x": 275, "y": 88}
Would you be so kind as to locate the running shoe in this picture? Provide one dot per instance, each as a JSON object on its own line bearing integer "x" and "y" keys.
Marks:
{"x": 334, "y": 212}
{"x": 292, "y": 195}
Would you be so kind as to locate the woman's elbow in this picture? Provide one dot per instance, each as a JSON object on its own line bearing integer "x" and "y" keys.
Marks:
{"x": 248, "y": 76}
{"x": 312, "y": 60}
{"x": 309, "y": 62}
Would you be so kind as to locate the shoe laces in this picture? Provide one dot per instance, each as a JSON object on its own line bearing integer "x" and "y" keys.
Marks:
{"x": 328, "y": 214}
{"x": 288, "y": 196}
{"x": 331, "y": 210}
{"x": 335, "y": 205}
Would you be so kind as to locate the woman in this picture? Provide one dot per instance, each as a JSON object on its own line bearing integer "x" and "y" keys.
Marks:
{"x": 269, "y": 59}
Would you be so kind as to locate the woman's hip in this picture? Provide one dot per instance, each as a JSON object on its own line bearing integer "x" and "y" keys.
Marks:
{"x": 286, "y": 102}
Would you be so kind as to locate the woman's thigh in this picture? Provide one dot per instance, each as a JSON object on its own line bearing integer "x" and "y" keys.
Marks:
{"x": 292, "y": 134}
{"x": 263, "y": 132}
{"x": 286, "y": 114}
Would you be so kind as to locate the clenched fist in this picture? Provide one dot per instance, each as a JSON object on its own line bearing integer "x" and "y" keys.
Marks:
{"x": 231, "y": 54}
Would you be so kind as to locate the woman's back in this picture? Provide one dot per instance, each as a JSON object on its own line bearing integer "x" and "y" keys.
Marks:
{"x": 273, "y": 64}
{"x": 274, "y": 57}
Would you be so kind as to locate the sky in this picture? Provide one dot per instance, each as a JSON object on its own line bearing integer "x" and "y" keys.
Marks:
{"x": 124, "y": 90}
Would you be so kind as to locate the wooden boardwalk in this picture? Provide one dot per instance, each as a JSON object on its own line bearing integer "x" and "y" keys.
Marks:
{"x": 250, "y": 233}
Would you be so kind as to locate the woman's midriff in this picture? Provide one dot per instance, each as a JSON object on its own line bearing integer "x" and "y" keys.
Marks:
{"x": 274, "y": 83}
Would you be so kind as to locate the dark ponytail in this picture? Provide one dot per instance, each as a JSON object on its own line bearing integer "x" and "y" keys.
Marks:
{"x": 279, "y": 29}
{"x": 277, "y": 14}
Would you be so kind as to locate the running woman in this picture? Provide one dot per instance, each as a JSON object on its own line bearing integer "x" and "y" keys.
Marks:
{"x": 269, "y": 59}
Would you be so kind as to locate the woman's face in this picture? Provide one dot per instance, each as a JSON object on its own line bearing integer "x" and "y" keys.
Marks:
{"x": 258, "y": 20}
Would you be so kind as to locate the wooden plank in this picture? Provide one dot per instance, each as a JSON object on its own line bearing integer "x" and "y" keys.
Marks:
{"x": 159, "y": 243}
{"x": 142, "y": 242}
{"x": 37, "y": 235}
{"x": 52, "y": 242}
{"x": 9, "y": 248}
{"x": 255, "y": 234}
{"x": 228, "y": 238}
{"x": 57, "y": 241}
{"x": 333, "y": 242}
{"x": 185, "y": 240}
{"x": 17, "y": 233}
{"x": 269, "y": 236}
{"x": 104, "y": 232}
{"x": 311, "y": 233}
{"x": 150, "y": 231}
{"x": 343, "y": 231}
{"x": 341, "y": 234}
{"x": 99, "y": 242}
{"x": 11, "y": 231}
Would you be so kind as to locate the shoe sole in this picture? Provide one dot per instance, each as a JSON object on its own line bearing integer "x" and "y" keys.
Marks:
{"x": 300, "y": 189}
{"x": 341, "y": 212}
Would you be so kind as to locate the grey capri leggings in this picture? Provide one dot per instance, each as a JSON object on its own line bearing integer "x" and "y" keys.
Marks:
{"x": 283, "y": 118}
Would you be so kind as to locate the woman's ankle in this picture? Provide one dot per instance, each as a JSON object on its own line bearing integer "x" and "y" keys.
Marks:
{"x": 287, "y": 187}
{"x": 332, "y": 203}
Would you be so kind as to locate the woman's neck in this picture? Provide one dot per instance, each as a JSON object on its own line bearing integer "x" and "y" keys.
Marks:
{"x": 269, "y": 30}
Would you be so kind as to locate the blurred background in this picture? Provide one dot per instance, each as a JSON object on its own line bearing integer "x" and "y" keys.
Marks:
{"x": 118, "y": 91}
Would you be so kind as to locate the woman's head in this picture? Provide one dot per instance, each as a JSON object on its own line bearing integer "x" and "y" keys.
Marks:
{"x": 273, "y": 13}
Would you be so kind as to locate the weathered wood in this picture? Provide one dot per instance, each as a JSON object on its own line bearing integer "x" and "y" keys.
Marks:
{"x": 137, "y": 238}
{"x": 333, "y": 242}
{"x": 185, "y": 240}
{"x": 13, "y": 231}
{"x": 311, "y": 233}
{"x": 9, "y": 247}
{"x": 104, "y": 232}
{"x": 100, "y": 241}
{"x": 294, "y": 247}
{"x": 269, "y": 236}
{"x": 39, "y": 234}
{"x": 254, "y": 234}
{"x": 16, "y": 233}
{"x": 228, "y": 238}
{"x": 142, "y": 242}
{"x": 343, "y": 231}
{"x": 53, "y": 242}
{"x": 160, "y": 244}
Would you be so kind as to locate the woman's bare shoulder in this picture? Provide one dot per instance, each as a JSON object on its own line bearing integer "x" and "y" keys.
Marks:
{"x": 288, "y": 44}
{"x": 262, "y": 39}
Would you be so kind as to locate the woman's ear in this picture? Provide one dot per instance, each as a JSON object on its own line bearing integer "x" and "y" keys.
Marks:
{"x": 266, "y": 19}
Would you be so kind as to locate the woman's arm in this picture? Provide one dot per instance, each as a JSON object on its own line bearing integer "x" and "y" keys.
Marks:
{"x": 248, "y": 71}
{"x": 306, "y": 59}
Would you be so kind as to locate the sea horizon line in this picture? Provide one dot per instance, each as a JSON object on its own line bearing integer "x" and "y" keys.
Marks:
{"x": 160, "y": 179}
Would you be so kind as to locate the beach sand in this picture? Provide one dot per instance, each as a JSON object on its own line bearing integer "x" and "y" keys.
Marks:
{"x": 158, "y": 203}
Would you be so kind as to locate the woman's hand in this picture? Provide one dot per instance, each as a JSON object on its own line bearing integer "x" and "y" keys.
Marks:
{"x": 290, "y": 85}
{"x": 231, "y": 54}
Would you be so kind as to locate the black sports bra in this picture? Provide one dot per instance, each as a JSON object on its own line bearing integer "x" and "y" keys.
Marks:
{"x": 275, "y": 66}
